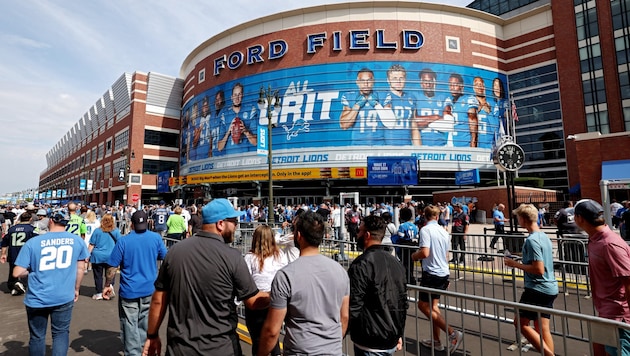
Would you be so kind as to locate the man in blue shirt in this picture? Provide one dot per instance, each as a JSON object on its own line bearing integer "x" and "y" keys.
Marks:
{"x": 137, "y": 255}
{"x": 499, "y": 224}
{"x": 54, "y": 265}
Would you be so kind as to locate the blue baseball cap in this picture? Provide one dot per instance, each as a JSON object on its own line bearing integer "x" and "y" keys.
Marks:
{"x": 219, "y": 209}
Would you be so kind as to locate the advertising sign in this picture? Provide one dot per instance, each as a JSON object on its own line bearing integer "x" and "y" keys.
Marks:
{"x": 336, "y": 114}
{"x": 467, "y": 177}
{"x": 162, "y": 182}
{"x": 83, "y": 184}
{"x": 392, "y": 171}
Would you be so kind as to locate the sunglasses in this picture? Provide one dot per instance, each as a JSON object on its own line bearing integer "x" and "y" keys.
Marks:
{"x": 232, "y": 220}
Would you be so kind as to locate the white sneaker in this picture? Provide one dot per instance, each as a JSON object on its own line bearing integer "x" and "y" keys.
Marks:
{"x": 454, "y": 340}
{"x": 435, "y": 344}
{"x": 14, "y": 292}
{"x": 19, "y": 287}
{"x": 98, "y": 296}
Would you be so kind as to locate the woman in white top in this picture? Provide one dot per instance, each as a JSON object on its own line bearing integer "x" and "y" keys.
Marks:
{"x": 91, "y": 224}
{"x": 263, "y": 260}
{"x": 390, "y": 230}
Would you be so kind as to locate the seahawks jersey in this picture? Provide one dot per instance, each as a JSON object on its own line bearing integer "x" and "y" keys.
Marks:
{"x": 404, "y": 108}
{"x": 160, "y": 216}
{"x": 76, "y": 225}
{"x": 367, "y": 126}
{"x": 427, "y": 106}
{"x": 16, "y": 237}
{"x": 407, "y": 234}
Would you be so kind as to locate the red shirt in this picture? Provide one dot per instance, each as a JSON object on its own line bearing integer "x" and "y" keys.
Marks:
{"x": 608, "y": 262}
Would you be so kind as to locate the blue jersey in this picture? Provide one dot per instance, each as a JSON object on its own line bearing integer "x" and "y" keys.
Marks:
{"x": 239, "y": 144}
{"x": 137, "y": 256}
{"x": 488, "y": 128}
{"x": 407, "y": 234}
{"x": 218, "y": 128}
{"x": 160, "y": 216}
{"x": 52, "y": 263}
{"x": 404, "y": 108}
{"x": 493, "y": 125}
{"x": 16, "y": 237}
{"x": 427, "y": 106}
{"x": 367, "y": 127}
{"x": 460, "y": 108}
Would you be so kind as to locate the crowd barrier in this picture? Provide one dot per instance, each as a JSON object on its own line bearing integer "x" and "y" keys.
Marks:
{"x": 482, "y": 299}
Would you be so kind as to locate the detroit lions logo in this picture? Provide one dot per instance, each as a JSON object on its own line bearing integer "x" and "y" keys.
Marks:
{"x": 298, "y": 125}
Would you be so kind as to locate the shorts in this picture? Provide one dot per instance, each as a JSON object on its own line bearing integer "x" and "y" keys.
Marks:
{"x": 432, "y": 281}
{"x": 533, "y": 297}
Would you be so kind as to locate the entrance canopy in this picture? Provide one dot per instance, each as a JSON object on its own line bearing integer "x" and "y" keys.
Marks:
{"x": 615, "y": 175}
{"x": 616, "y": 170}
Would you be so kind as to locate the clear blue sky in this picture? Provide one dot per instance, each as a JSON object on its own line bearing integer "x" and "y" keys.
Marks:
{"x": 58, "y": 57}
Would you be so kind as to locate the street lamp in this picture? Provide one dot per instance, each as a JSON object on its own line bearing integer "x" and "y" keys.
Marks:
{"x": 265, "y": 102}
{"x": 128, "y": 157}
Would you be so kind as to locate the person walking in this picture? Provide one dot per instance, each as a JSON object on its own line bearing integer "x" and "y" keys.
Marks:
{"x": 54, "y": 264}
{"x": 176, "y": 226}
{"x": 12, "y": 243}
{"x": 136, "y": 254}
{"x": 498, "y": 218}
{"x": 263, "y": 261}
{"x": 101, "y": 246}
{"x": 198, "y": 282}
{"x": 541, "y": 287}
{"x": 433, "y": 253}
{"x": 378, "y": 293}
{"x": 609, "y": 271}
{"x": 310, "y": 295}
{"x": 461, "y": 223}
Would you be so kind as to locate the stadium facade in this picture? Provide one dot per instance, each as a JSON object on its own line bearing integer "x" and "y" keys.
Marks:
{"x": 334, "y": 75}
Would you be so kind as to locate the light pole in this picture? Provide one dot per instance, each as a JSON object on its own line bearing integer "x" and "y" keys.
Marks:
{"x": 127, "y": 168}
{"x": 265, "y": 102}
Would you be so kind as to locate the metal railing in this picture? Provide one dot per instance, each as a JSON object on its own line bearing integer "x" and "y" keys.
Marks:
{"x": 482, "y": 299}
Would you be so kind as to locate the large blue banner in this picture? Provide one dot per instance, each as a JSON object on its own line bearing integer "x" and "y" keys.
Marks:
{"x": 162, "y": 182}
{"x": 428, "y": 109}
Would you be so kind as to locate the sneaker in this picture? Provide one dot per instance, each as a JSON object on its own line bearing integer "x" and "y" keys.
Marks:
{"x": 98, "y": 296}
{"x": 19, "y": 287}
{"x": 435, "y": 344}
{"x": 454, "y": 340}
{"x": 14, "y": 292}
{"x": 111, "y": 294}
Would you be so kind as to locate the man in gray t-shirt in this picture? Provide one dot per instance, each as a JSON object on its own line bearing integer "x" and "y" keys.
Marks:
{"x": 313, "y": 294}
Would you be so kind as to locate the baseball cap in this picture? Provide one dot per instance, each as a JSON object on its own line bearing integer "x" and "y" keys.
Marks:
{"x": 31, "y": 207}
{"x": 42, "y": 212}
{"x": 162, "y": 202}
{"x": 589, "y": 209}
{"x": 458, "y": 204}
{"x": 139, "y": 220}
{"x": 60, "y": 217}
{"x": 219, "y": 209}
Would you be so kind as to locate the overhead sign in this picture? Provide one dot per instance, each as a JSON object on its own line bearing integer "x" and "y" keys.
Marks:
{"x": 392, "y": 170}
{"x": 467, "y": 177}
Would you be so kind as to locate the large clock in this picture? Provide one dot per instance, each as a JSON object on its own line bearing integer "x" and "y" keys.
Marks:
{"x": 509, "y": 157}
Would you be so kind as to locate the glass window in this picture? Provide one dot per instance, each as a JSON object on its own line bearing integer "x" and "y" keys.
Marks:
{"x": 159, "y": 138}
{"x": 150, "y": 166}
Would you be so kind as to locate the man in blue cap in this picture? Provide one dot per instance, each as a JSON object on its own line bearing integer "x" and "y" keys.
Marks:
{"x": 198, "y": 281}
